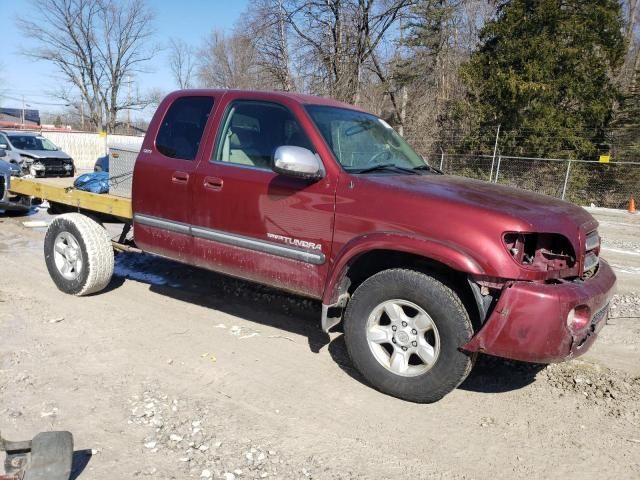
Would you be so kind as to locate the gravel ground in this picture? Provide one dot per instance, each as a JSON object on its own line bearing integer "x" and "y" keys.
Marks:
{"x": 625, "y": 305}
{"x": 189, "y": 433}
{"x": 633, "y": 246}
{"x": 177, "y": 373}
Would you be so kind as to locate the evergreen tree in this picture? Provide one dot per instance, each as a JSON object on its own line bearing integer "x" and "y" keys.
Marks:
{"x": 544, "y": 73}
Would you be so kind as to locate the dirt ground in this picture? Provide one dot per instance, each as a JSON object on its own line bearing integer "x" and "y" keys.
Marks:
{"x": 177, "y": 373}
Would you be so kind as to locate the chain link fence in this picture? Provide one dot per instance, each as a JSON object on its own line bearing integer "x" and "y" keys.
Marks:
{"x": 583, "y": 182}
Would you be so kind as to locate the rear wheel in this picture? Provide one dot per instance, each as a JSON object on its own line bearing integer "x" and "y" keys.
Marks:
{"x": 404, "y": 330}
{"x": 78, "y": 254}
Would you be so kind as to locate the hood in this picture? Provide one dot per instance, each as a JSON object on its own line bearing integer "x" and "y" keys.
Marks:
{"x": 44, "y": 154}
{"x": 532, "y": 211}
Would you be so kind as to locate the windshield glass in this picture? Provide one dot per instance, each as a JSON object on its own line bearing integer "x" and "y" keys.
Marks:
{"x": 31, "y": 142}
{"x": 361, "y": 141}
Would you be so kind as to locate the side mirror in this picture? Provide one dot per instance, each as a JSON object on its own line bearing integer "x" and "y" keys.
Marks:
{"x": 297, "y": 162}
{"x": 3, "y": 152}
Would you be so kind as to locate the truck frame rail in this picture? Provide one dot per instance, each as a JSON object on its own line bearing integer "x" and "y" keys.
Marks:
{"x": 60, "y": 191}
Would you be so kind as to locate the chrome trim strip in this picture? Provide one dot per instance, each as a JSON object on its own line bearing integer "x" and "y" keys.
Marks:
{"x": 590, "y": 262}
{"x": 232, "y": 239}
{"x": 593, "y": 240}
{"x": 258, "y": 245}
{"x": 170, "y": 225}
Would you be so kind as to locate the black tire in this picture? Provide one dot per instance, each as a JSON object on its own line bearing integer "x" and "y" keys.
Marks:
{"x": 19, "y": 212}
{"x": 447, "y": 312}
{"x": 95, "y": 249}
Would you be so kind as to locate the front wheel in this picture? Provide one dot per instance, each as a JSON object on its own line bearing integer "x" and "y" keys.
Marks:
{"x": 404, "y": 330}
{"x": 78, "y": 254}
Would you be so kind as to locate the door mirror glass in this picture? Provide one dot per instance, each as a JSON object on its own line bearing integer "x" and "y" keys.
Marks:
{"x": 3, "y": 152}
{"x": 297, "y": 162}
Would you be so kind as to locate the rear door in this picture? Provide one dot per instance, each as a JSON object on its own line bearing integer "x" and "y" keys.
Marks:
{"x": 250, "y": 222}
{"x": 164, "y": 175}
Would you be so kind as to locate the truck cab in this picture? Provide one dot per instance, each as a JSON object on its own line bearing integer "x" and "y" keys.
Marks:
{"x": 327, "y": 201}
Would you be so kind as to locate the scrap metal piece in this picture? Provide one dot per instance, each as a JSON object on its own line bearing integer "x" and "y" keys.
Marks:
{"x": 49, "y": 456}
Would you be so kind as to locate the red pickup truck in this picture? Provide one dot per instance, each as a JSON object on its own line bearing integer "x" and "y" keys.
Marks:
{"x": 324, "y": 200}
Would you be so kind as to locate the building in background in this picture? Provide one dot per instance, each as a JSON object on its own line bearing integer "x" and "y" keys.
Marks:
{"x": 18, "y": 117}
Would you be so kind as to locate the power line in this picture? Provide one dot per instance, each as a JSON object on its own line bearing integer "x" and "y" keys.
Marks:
{"x": 36, "y": 102}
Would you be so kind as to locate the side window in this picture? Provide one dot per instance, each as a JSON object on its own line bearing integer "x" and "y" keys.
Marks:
{"x": 253, "y": 130}
{"x": 181, "y": 130}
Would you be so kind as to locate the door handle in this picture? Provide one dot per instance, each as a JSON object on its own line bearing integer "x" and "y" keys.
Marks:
{"x": 180, "y": 177}
{"x": 213, "y": 183}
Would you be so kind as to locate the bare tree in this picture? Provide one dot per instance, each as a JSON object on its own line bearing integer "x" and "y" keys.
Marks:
{"x": 340, "y": 36}
{"x": 229, "y": 61}
{"x": 631, "y": 17}
{"x": 265, "y": 22}
{"x": 182, "y": 62}
{"x": 96, "y": 45}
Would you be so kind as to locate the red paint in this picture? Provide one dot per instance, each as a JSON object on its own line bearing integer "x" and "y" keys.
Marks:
{"x": 529, "y": 321}
{"x": 455, "y": 221}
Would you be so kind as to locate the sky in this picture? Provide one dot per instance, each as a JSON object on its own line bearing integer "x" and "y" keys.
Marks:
{"x": 190, "y": 20}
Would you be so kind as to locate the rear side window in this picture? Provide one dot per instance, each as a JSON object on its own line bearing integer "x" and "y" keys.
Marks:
{"x": 181, "y": 131}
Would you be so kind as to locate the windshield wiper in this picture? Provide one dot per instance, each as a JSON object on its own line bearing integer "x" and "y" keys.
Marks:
{"x": 429, "y": 168}
{"x": 387, "y": 166}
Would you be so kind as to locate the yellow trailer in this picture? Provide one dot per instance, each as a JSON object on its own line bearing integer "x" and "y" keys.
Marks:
{"x": 61, "y": 191}
{"x": 78, "y": 249}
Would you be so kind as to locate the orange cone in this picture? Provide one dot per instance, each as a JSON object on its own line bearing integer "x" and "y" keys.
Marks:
{"x": 632, "y": 205}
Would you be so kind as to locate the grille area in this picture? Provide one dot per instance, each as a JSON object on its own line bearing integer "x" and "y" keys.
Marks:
{"x": 591, "y": 255}
{"x": 53, "y": 166}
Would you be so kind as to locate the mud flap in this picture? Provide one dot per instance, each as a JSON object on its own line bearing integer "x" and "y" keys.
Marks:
{"x": 49, "y": 456}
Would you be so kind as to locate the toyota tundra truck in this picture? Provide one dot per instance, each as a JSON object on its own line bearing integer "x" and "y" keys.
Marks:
{"x": 423, "y": 270}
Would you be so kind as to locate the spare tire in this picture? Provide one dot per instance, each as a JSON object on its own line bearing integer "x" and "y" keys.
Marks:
{"x": 78, "y": 254}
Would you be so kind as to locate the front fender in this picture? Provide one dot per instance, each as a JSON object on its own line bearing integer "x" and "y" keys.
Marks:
{"x": 448, "y": 254}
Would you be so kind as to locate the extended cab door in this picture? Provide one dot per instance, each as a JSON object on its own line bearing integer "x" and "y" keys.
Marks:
{"x": 164, "y": 175}
{"x": 250, "y": 222}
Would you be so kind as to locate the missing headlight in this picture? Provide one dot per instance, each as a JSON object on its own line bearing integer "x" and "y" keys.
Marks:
{"x": 540, "y": 251}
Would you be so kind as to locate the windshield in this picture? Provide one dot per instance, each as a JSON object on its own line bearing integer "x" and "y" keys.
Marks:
{"x": 31, "y": 142}
{"x": 361, "y": 141}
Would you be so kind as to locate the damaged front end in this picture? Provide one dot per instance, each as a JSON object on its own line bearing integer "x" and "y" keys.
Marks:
{"x": 554, "y": 314}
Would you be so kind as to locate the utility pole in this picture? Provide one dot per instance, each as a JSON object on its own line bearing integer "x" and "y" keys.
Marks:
{"x": 22, "y": 120}
{"x": 495, "y": 150}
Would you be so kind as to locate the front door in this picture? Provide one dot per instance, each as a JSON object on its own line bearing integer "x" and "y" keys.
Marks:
{"x": 164, "y": 176}
{"x": 253, "y": 223}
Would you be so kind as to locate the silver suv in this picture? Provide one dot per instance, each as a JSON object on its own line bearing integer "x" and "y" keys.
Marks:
{"x": 36, "y": 154}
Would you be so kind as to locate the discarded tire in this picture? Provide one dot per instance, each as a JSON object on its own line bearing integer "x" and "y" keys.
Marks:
{"x": 78, "y": 254}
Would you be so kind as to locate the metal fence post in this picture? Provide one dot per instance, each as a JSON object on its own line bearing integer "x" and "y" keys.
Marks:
{"x": 566, "y": 180}
{"x": 495, "y": 150}
{"x": 441, "y": 159}
{"x": 498, "y": 168}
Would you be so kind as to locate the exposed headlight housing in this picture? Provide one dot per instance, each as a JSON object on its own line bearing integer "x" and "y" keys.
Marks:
{"x": 37, "y": 169}
{"x": 540, "y": 251}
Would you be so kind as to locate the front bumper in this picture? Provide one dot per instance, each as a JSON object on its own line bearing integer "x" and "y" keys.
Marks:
{"x": 51, "y": 168}
{"x": 529, "y": 322}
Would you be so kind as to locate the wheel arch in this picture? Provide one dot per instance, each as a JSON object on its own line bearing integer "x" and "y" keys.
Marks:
{"x": 405, "y": 251}
{"x": 371, "y": 254}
